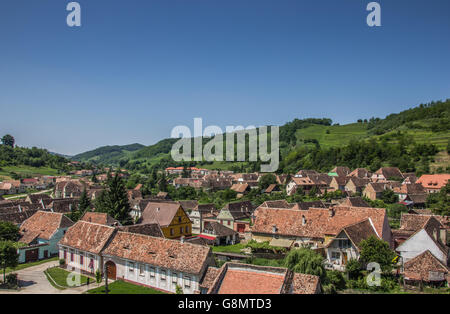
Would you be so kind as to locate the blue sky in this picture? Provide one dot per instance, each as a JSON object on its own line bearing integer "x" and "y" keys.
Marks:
{"x": 135, "y": 69}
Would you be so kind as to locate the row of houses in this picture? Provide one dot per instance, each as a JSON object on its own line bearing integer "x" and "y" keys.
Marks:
{"x": 166, "y": 264}
{"x": 422, "y": 241}
{"x": 10, "y": 187}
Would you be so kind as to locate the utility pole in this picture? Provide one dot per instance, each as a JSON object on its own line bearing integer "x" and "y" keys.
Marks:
{"x": 105, "y": 272}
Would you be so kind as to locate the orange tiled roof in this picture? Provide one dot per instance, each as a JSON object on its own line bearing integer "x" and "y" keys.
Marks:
{"x": 434, "y": 181}
{"x": 43, "y": 225}
{"x": 171, "y": 254}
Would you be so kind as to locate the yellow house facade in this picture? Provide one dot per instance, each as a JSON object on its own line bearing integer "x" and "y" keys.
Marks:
{"x": 180, "y": 225}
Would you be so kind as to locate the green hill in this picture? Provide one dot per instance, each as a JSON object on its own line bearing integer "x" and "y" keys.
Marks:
{"x": 408, "y": 139}
{"x": 108, "y": 155}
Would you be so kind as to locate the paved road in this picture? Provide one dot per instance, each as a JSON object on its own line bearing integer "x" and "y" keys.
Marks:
{"x": 25, "y": 195}
{"x": 33, "y": 281}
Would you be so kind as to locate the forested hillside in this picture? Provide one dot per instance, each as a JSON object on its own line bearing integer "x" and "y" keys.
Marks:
{"x": 408, "y": 140}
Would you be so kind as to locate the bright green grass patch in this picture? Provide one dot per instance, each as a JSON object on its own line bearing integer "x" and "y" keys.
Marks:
{"x": 26, "y": 265}
{"x": 122, "y": 287}
{"x": 30, "y": 170}
{"x": 235, "y": 248}
{"x": 338, "y": 135}
{"x": 60, "y": 276}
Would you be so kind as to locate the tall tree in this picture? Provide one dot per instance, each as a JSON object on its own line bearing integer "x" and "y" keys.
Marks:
{"x": 163, "y": 183}
{"x": 114, "y": 201}
{"x": 8, "y": 231}
{"x": 378, "y": 251}
{"x": 8, "y": 256}
{"x": 8, "y": 140}
{"x": 305, "y": 261}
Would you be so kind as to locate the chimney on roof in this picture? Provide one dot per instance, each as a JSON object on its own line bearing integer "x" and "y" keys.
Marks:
{"x": 274, "y": 229}
{"x": 303, "y": 220}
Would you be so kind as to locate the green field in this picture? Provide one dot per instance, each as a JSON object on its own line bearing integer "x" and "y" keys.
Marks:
{"x": 60, "y": 276}
{"x": 339, "y": 135}
{"x": 122, "y": 287}
{"x": 26, "y": 171}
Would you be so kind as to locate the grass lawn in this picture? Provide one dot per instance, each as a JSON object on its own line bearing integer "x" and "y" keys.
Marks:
{"x": 26, "y": 265}
{"x": 60, "y": 275}
{"x": 235, "y": 248}
{"x": 122, "y": 287}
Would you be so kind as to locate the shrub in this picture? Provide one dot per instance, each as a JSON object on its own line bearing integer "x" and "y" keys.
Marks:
{"x": 178, "y": 290}
{"x": 329, "y": 289}
{"x": 62, "y": 262}
{"x": 336, "y": 279}
{"x": 98, "y": 276}
{"x": 11, "y": 280}
{"x": 353, "y": 269}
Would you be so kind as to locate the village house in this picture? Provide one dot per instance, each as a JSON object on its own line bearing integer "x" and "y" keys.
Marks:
{"x": 339, "y": 172}
{"x": 82, "y": 245}
{"x": 360, "y": 173}
{"x": 218, "y": 234}
{"x": 415, "y": 220}
{"x": 433, "y": 183}
{"x": 356, "y": 185}
{"x": 346, "y": 245}
{"x": 354, "y": 202}
{"x": 404, "y": 190}
{"x": 64, "y": 205}
{"x": 41, "y": 233}
{"x": 158, "y": 263}
{"x": 339, "y": 183}
{"x": 241, "y": 189}
{"x": 11, "y": 187}
{"x": 425, "y": 268}
{"x": 68, "y": 189}
{"x": 236, "y": 216}
{"x": 171, "y": 217}
{"x": 236, "y": 278}
{"x": 387, "y": 174}
{"x": 37, "y": 199}
{"x": 431, "y": 236}
{"x": 314, "y": 227}
{"x": 374, "y": 191}
{"x": 199, "y": 214}
{"x": 30, "y": 183}
{"x": 304, "y": 183}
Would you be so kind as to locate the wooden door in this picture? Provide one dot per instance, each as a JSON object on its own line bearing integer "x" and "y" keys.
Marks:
{"x": 111, "y": 270}
{"x": 31, "y": 255}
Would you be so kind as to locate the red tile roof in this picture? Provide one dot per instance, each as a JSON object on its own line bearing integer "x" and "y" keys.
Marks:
{"x": 422, "y": 266}
{"x": 43, "y": 225}
{"x": 171, "y": 254}
{"x": 318, "y": 221}
{"x": 434, "y": 181}
{"x": 87, "y": 236}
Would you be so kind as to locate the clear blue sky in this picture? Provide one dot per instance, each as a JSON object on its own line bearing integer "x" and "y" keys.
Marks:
{"x": 135, "y": 69}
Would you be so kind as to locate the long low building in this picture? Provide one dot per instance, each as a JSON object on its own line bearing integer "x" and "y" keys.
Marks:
{"x": 140, "y": 259}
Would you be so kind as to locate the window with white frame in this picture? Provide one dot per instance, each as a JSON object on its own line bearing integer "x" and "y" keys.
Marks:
{"x": 130, "y": 267}
{"x": 163, "y": 275}
{"x": 187, "y": 281}
{"x": 152, "y": 272}
{"x": 141, "y": 269}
